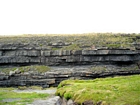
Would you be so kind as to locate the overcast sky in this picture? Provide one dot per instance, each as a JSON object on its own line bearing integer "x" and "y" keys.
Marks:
{"x": 69, "y": 16}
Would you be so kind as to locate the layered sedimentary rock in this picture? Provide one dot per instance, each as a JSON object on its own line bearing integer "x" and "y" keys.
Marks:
{"x": 107, "y": 56}
{"x": 12, "y": 55}
{"x": 57, "y": 74}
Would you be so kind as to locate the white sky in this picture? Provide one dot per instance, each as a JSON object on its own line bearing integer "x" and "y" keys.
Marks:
{"x": 69, "y": 16}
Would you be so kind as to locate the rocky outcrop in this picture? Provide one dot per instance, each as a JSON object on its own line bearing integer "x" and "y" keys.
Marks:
{"x": 16, "y": 56}
{"x": 68, "y": 51}
{"x": 54, "y": 100}
{"x": 57, "y": 74}
{"x": 19, "y": 55}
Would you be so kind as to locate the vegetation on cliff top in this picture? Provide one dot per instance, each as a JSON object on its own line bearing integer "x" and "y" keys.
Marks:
{"x": 123, "y": 90}
{"x": 82, "y": 41}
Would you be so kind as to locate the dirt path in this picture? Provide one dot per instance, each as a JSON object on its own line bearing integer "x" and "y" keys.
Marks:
{"x": 48, "y": 91}
{"x": 51, "y": 100}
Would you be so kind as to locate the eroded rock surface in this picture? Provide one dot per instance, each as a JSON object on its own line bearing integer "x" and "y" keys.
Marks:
{"x": 66, "y": 57}
{"x": 59, "y": 73}
{"x": 75, "y": 57}
{"x": 54, "y": 100}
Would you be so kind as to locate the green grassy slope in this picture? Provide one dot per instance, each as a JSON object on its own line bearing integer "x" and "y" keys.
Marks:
{"x": 123, "y": 90}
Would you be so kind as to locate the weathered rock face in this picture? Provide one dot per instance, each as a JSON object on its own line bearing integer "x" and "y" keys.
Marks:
{"x": 58, "y": 74}
{"x": 19, "y": 55}
{"x": 13, "y": 55}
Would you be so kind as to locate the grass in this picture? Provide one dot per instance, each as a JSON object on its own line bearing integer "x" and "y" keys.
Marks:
{"x": 128, "y": 68}
{"x": 72, "y": 47}
{"x": 37, "y": 68}
{"x": 108, "y": 68}
{"x": 24, "y": 98}
{"x": 123, "y": 90}
{"x": 30, "y": 87}
{"x": 99, "y": 68}
{"x": 114, "y": 45}
{"x": 55, "y": 48}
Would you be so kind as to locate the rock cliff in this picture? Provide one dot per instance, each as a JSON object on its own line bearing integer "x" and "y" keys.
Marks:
{"x": 59, "y": 73}
{"x": 108, "y": 57}
{"x": 13, "y": 56}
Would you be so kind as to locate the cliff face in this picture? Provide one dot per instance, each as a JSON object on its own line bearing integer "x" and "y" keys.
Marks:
{"x": 70, "y": 49}
{"x": 13, "y": 56}
{"x": 109, "y": 58}
{"x": 59, "y": 73}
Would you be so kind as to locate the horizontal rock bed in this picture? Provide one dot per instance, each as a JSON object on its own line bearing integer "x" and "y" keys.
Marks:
{"x": 82, "y": 56}
{"x": 67, "y": 57}
{"x": 59, "y": 73}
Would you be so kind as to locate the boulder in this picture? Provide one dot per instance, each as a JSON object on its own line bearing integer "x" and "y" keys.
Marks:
{"x": 88, "y": 103}
{"x": 17, "y": 71}
{"x": 70, "y": 102}
{"x": 64, "y": 101}
{"x": 11, "y": 73}
{"x": 55, "y": 100}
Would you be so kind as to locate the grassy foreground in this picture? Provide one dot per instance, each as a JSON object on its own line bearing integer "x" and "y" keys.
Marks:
{"x": 123, "y": 90}
{"x": 18, "y": 98}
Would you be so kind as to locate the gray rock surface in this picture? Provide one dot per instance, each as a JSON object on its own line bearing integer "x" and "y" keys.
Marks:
{"x": 30, "y": 54}
{"x": 10, "y": 55}
{"x": 59, "y": 73}
{"x": 70, "y": 102}
{"x": 54, "y": 100}
{"x": 11, "y": 100}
